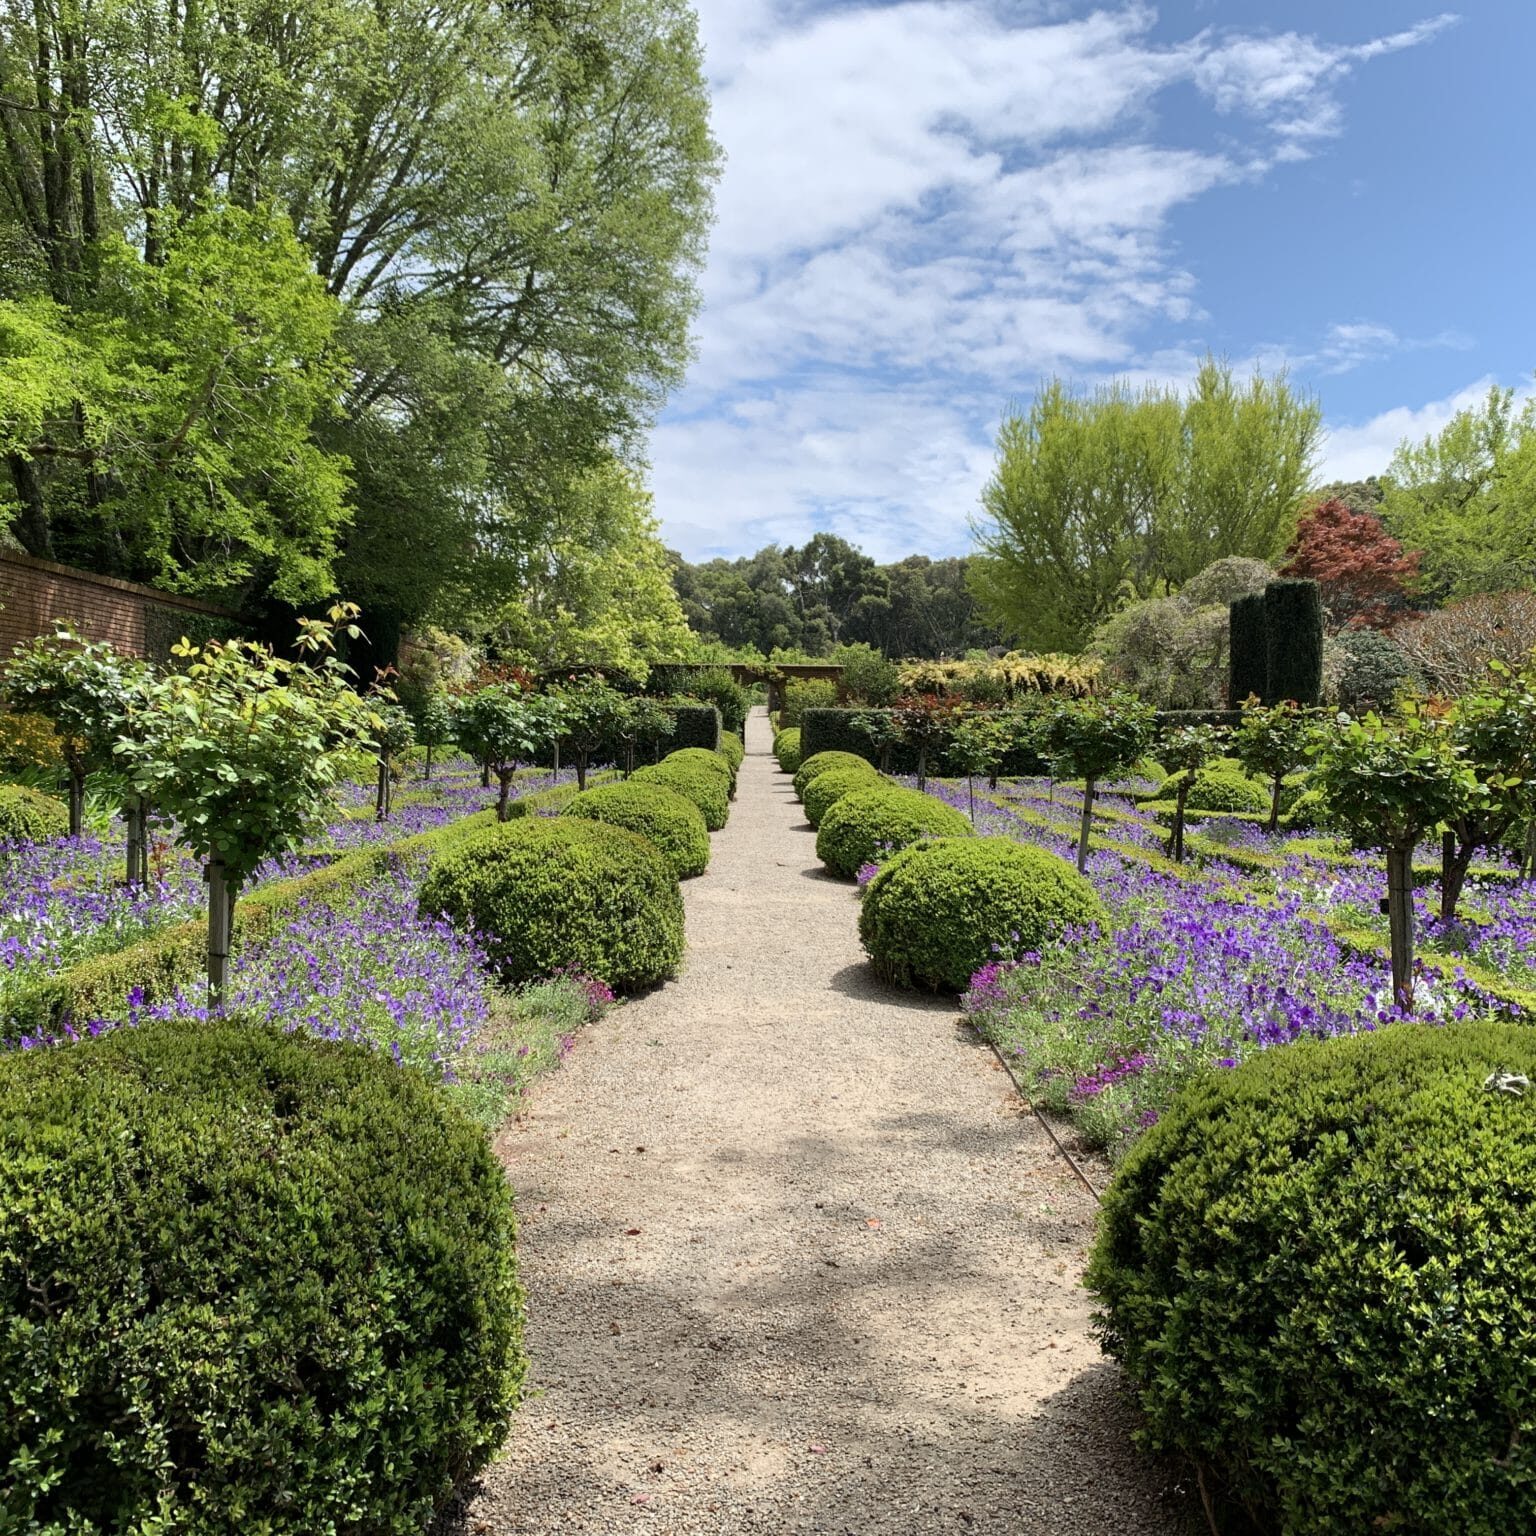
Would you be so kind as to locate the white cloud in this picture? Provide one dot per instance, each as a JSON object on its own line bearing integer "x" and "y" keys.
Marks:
{"x": 1354, "y": 452}
{"x": 928, "y": 205}
{"x": 1286, "y": 79}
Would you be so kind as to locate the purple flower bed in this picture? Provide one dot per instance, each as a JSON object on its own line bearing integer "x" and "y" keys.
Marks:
{"x": 1192, "y": 976}
{"x": 1198, "y": 971}
{"x": 62, "y": 901}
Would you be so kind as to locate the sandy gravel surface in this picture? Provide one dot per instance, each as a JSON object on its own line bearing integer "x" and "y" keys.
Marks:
{"x": 796, "y": 1260}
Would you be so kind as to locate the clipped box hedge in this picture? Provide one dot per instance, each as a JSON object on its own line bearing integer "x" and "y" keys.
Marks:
{"x": 697, "y": 725}
{"x": 252, "y": 1282}
{"x": 1317, "y": 1270}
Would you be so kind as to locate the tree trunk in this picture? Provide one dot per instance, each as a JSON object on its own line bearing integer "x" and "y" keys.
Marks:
{"x": 1528, "y": 865}
{"x": 581, "y": 772}
{"x": 1455, "y": 860}
{"x": 485, "y": 775}
{"x": 1176, "y": 842}
{"x": 505, "y": 799}
{"x": 629, "y": 759}
{"x": 1400, "y": 922}
{"x": 426, "y": 771}
{"x": 137, "y": 863}
{"x": 922, "y": 768}
{"x": 1274, "y": 805}
{"x": 1087, "y": 826}
{"x": 32, "y": 528}
{"x": 76, "y": 802}
{"x": 221, "y": 922}
{"x": 381, "y": 795}
{"x": 970, "y": 789}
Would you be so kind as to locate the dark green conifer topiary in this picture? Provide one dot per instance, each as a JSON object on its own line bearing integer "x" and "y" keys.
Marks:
{"x": 1293, "y": 622}
{"x": 1249, "y": 651}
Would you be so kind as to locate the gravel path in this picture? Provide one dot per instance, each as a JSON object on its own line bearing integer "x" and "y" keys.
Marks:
{"x": 796, "y": 1260}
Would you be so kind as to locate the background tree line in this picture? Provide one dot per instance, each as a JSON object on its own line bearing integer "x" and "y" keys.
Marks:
{"x": 369, "y": 296}
{"x": 825, "y": 594}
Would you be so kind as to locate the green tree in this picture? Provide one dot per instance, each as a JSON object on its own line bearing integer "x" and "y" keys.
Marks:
{"x": 83, "y": 687}
{"x": 504, "y": 728}
{"x": 507, "y": 203}
{"x": 1272, "y": 741}
{"x": 1127, "y": 494}
{"x": 244, "y": 751}
{"x": 1388, "y": 783}
{"x": 1095, "y": 738}
{"x": 1495, "y": 730}
{"x": 1466, "y": 498}
{"x": 172, "y": 414}
{"x": 433, "y": 720}
{"x": 593, "y": 584}
{"x": 393, "y": 733}
{"x": 591, "y": 714}
{"x": 1185, "y": 751}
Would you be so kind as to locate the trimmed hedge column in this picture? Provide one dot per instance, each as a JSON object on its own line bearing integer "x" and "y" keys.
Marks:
{"x": 1249, "y": 675}
{"x": 1293, "y": 621}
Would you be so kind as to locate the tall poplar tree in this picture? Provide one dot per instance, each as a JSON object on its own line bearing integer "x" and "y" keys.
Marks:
{"x": 1126, "y": 494}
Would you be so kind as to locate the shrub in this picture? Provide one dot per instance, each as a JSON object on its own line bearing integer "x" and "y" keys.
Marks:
{"x": 808, "y": 693}
{"x": 1317, "y": 1270}
{"x": 868, "y": 678}
{"x": 936, "y": 913}
{"x": 839, "y": 730}
{"x": 824, "y": 762}
{"x": 1218, "y": 789}
{"x": 711, "y": 762}
{"x": 826, "y": 789}
{"x": 249, "y": 1280}
{"x": 706, "y": 788}
{"x": 547, "y": 895}
{"x": 29, "y": 742}
{"x": 786, "y": 748}
{"x": 863, "y": 826}
{"x": 1309, "y": 813}
{"x": 1373, "y": 669}
{"x": 716, "y": 686}
{"x": 733, "y": 749}
{"x": 694, "y": 725}
{"x": 660, "y": 815}
{"x": 29, "y": 816}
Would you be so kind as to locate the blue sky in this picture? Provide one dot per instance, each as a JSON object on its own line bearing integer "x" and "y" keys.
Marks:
{"x": 929, "y": 205}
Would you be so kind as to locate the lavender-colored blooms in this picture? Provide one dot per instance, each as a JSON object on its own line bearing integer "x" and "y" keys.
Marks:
{"x": 1197, "y": 972}
{"x": 63, "y": 901}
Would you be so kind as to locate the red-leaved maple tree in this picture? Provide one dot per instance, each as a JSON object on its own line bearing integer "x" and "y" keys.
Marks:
{"x": 1362, "y": 571}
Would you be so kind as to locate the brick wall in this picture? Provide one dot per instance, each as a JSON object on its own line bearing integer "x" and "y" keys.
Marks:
{"x": 34, "y": 594}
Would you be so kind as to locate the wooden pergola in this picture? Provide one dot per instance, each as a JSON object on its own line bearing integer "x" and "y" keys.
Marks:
{"x": 778, "y": 677}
